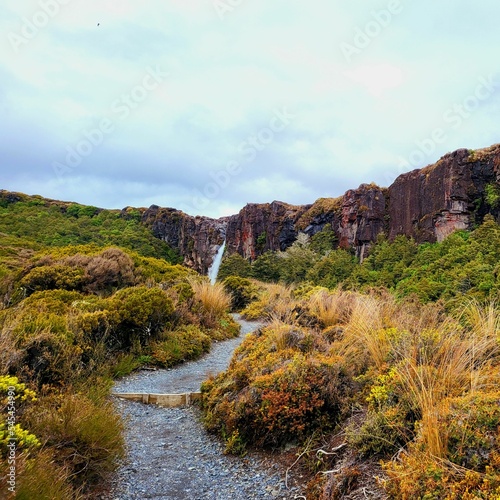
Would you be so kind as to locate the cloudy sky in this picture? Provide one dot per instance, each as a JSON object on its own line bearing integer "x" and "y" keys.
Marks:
{"x": 206, "y": 105}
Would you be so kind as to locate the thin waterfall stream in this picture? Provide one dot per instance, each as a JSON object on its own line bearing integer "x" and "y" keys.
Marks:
{"x": 213, "y": 271}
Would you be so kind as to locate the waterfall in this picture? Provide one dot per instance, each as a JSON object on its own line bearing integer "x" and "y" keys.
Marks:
{"x": 213, "y": 270}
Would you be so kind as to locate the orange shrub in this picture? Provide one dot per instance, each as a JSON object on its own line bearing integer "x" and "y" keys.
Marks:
{"x": 276, "y": 391}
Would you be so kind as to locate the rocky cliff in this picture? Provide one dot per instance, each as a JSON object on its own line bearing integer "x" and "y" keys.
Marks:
{"x": 261, "y": 227}
{"x": 196, "y": 238}
{"x": 431, "y": 203}
{"x": 427, "y": 204}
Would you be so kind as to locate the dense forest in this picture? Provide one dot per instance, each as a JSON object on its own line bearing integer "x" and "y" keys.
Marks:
{"x": 383, "y": 373}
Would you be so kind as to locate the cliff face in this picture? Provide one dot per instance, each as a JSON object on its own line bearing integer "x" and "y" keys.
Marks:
{"x": 196, "y": 238}
{"x": 426, "y": 204}
{"x": 261, "y": 227}
{"x": 431, "y": 203}
{"x": 362, "y": 217}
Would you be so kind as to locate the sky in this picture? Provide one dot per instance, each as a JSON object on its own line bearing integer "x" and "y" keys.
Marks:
{"x": 207, "y": 105}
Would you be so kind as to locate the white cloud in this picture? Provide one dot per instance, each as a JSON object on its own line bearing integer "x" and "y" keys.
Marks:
{"x": 353, "y": 121}
{"x": 377, "y": 78}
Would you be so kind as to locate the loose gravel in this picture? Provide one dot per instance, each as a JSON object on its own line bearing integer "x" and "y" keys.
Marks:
{"x": 170, "y": 456}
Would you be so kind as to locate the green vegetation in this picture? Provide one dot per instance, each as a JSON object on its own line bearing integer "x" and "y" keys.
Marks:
{"x": 387, "y": 368}
{"x": 396, "y": 358}
{"x": 400, "y": 382}
{"x": 465, "y": 263}
{"x": 492, "y": 195}
{"x": 33, "y": 222}
{"x": 76, "y": 312}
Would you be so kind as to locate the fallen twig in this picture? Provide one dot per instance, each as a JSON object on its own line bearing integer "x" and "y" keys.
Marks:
{"x": 333, "y": 452}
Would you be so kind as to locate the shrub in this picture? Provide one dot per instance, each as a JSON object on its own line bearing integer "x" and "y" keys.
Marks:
{"x": 124, "y": 365}
{"x": 277, "y": 389}
{"x": 242, "y": 291}
{"x": 87, "y": 437}
{"x": 333, "y": 269}
{"x": 15, "y": 396}
{"x": 267, "y": 267}
{"x": 185, "y": 343}
{"x": 389, "y": 422}
{"x": 52, "y": 278}
{"x": 143, "y": 312}
{"x": 110, "y": 270}
{"x": 234, "y": 265}
{"x": 472, "y": 429}
{"x": 51, "y": 359}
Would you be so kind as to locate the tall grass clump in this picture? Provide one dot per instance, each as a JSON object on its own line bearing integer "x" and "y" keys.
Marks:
{"x": 365, "y": 337}
{"x": 275, "y": 301}
{"x": 330, "y": 307}
{"x": 42, "y": 478}
{"x": 87, "y": 436}
{"x": 214, "y": 299}
{"x": 450, "y": 376}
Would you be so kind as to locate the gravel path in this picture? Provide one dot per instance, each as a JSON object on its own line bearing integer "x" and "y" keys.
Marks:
{"x": 170, "y": 456}
{"x": 188, "y": 376}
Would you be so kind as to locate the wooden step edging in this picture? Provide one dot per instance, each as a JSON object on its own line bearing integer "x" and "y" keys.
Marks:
{"x": 165, "y": 400}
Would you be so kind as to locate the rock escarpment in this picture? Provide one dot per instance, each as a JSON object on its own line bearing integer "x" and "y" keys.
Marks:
{"x": 262, "y": 227}
{"x": 197, "y": 239}
{"x": 427, "y": 204}
{"x": 430, "y": 203}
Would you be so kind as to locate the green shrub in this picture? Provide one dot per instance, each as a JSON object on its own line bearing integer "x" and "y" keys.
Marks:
{"x": 52, "y": 278}
{"x": 143, "y": 312}
{"x": 234, "y": 265}
{"x": 242, "y": 291}
{"x": 185, "y": 343}
{"x": 124, "y": 365}
{"x": 472, "y": 427}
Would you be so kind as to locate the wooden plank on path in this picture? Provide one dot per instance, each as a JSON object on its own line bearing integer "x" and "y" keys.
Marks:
{"x": 165, "y": 400}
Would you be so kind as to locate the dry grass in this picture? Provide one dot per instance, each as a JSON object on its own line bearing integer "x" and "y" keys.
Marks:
{"x": 87, "y": 437}
{"x": 364, "y": 334}
{"x": 447, "y": 362}
{"x": 41, "y": 478}
{"x": 214, "y": 299}
{"x": 330, "y": 308}
{"x": 483, "y": 331}
{"x": 9, "y": 354}
{"x": 436, "y": 358}
{"x": 276, "y": 302}
{"x": 282, "y": 334}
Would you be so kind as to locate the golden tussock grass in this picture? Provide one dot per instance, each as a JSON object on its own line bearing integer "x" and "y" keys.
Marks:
{"x": 275, "y": 302}
{"x": 330, "y": 307}
{"x": 446, "y": 362}
{"x": 436, "y": 357}
{"x": 364, "y": 336}
{"x": 213, "y": 298}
